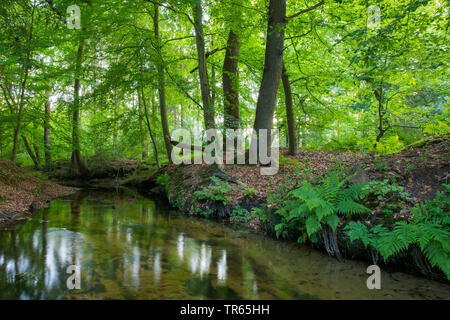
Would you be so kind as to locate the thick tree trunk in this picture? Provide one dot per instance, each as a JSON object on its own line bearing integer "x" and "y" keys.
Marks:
{"x": 47, "y": 150}
{"x": 230, "y": 78}
{"x": 273, "y": 66}
{"x": 78, "y": 165}
{"x": 162, "y": 87}
{"x": 289, "y": 113}
{"x": 208, "y": 110}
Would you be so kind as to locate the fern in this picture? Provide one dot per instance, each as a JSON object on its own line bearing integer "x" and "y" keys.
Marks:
{"x": 311, "y": 207}
{"x": 218, "y": 192}
{"x": 428, "y": 229}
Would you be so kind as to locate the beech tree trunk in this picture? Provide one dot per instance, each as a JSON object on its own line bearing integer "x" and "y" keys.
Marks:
{"x": 230, "y": 79}
{"x": 141, "y": 99}
{"x": 141, "y": 129}
{"x": 47, "y": 150}
{"x": 22, "y": 89}
{"x": 30, "y": 152}
{"x": 273, "y": 66}
{"x": 208, "y": 110}
{"x": 162, "y": 87}
{"x": 289, "y": 113}
{"x": 78, "y": 165}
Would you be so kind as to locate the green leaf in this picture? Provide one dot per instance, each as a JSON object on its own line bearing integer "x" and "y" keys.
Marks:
{"x": 332, "y": 221}
{"x": 312, "y": 226}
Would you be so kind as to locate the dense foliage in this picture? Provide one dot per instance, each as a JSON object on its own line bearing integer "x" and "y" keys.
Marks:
{"x": 310, "y": 207}
{"x": 109, "y": 87}
{"x": 428, "y": 229}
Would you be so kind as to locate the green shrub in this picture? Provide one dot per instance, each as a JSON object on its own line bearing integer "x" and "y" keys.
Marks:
{"x": 163, "y": 179}
{"x": 249, "y": 192}
{"x": 260, "y": 213}
{"x": 218, "y": 192}
{"x": 240, "y": 214}
{"x": 428, "y": 229}
{"x": 384, "y": 189}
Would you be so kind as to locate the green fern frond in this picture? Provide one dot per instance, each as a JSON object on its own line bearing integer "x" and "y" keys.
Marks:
{"x": 312, "y": 226}
{"x": 438, "y": 256}
{"x": 350, "y": 207}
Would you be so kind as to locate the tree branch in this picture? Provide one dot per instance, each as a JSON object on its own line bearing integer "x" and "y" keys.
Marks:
{"x": 210, "y": 53}
{"x": 306, "y": 10}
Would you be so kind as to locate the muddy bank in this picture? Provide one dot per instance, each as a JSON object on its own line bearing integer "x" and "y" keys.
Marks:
{"x": 420, "y": 170}
{"x": 23, "y": 192}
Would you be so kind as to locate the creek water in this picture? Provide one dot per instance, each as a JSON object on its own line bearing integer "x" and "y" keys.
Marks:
{"x": 131, "y": 247}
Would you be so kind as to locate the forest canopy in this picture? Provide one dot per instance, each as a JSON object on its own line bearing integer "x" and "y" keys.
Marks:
{"x": 329, "y": 75}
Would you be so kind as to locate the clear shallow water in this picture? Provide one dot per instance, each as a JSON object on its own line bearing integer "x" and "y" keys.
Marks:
{"x": 130, "y": 247}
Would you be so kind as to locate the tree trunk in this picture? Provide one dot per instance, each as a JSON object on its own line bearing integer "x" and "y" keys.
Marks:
{"x": 141, "y": 99}
{"x": 141, "y": 130}
{"x": 289, "y": 112}
{"x": 22, "y": 89}
{"x": 230, "y": 78}
{"x": 162, "y": 87}
{"x": 16, "y": 133}
{"x": 30, "y": 152}
{"x": 47, "y": 151}
{"x": 381, "y": 113}
{"x": 208, "y": 110}
{"x": 78, "y": 165}
{"x": 273, "y": 66}
{"x": 37, "y": 152}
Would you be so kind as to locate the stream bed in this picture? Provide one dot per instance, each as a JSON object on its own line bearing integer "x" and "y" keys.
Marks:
{"x": 126, "y": 246}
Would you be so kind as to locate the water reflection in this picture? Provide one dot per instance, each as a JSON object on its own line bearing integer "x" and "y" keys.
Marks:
{"x": 129, "y": 247}
{"x": 180, "y": 246}
{"x": 222, "y": 268}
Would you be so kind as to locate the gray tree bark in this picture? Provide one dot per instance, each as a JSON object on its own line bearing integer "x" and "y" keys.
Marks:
{"x": 230, "y": 80}
{"x": 208, "y": 109}
{"x": 273, "y": 66}
{"x": 289, "y": 113}
{"x": 47, "y": 149}
{"x": 162, "y": 87}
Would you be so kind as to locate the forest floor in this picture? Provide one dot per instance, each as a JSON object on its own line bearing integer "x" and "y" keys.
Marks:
{"x": 421, "y": 170}
{"x": 24, "y": 191}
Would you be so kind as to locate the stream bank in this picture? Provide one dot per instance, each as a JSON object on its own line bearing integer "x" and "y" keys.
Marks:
{"x": 23, "y": 192}
{"x": 420, "y": 170}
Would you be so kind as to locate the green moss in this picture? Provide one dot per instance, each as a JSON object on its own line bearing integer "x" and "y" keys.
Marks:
{"x": 284, "y": 161}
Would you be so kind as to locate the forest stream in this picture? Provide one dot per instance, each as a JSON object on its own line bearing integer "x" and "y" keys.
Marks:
{"x": 131, "y": 247}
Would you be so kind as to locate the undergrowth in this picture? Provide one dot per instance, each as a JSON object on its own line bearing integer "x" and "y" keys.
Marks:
{"x": 428, "y": 229}
{"x": 311, "y": 207}
{"x": 217, "y": 191}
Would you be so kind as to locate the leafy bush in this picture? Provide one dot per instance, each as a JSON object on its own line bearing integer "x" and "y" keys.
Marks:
{"x": 163, "y": 179}
{"x": 259, "y": 213}
{"x": 240, "y": 214}
{"x": 390, "y": 145}
{"x": 218, "y": 191}
{"x": 312, "y": 207}
{"x": 428, "y": 229}
{"x": 249, "y": 192}
{"x": 385, "y": 188}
